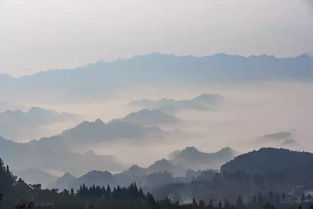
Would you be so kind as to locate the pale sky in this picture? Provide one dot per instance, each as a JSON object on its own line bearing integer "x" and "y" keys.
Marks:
{"x": 38, "y": 35}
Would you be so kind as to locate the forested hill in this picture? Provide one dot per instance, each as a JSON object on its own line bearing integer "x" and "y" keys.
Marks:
{"x": 223, "y": 191}
{"x": 269, "y": 161}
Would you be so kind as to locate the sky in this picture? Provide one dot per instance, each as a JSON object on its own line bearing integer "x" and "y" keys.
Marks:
{"x": 38, "y": 35}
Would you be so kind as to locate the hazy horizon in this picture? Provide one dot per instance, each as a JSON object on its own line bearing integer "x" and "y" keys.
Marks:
{"x": 148, "y": 53}
{"x": 48, "y": 31}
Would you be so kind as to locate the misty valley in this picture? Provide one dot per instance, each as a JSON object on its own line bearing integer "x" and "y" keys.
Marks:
{"x": 154, "y": 149}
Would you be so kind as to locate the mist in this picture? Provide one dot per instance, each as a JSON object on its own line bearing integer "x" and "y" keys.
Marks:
{"x": 248, "y": 112}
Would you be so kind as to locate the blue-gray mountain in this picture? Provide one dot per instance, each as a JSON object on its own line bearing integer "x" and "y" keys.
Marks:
{"x": 149, "y": 118}
{"x": 202, "y": 102}
{"x": 183, "y": 160}
{"x": 60, "y": 152}
{"x": 192, "y": 158}
{"x": 160, "y": 173}
{"x": 102, "y": 78}
{"x": 19, "y": 125}
{"x": 95, "y": 132}
{"x": 35, "y": 176}
{"x": 256, "y": 172}
{"x": 41, "y": 156}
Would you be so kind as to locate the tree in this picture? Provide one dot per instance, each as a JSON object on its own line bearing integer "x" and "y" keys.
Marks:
{"x": 226, "y": 203}
{"x": 268, "y": 206}
{"x": 302, "y": 197}
{"x": 194, "y": 203}
{"x": 202, "y": 204}
{"x": 151, "y": 200}
{"x": 283, "y": 196}
{"x": 260, "y": 198}
{"x": 219, "y": 205}
{"x": 239, "y": 202}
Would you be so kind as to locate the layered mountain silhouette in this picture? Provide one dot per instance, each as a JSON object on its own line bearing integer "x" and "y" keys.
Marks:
{"x": 93, "y": 81}
{"x": 64, "y": 182}
{"x": 162, "y": 165}
{"x": 44, "y": 157}
{"x": 160, "y": 173}
{"x": 149, "y": 118}
{"x": 273, "y": 161}
{"x": 181, "y": 161}
{"x": 105, "y": 178}
{"x": 259, "y": 171}
{"x": 35, "y": 176}
{"x": 19, "y": 125}
{"x": 192, "y": 158}
{"x": 203, "y": 102}
{"x": 63, "y": 148}
{"x": 95, "y": 132}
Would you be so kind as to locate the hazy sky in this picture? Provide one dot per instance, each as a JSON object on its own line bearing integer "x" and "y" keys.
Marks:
{"x": 39, "y": 35}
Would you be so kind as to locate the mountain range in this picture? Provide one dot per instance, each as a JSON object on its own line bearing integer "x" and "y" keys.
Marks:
{"x": 192, "y": 158}
{"x": 96, "y": 132}
{"x": 148, "y": 117}
{"x": 159, "y": 173}
{"x": 44, "y": 157}
{"x": 62, "y": 152}
{"x": 263, "y": 171}
{"x": 202, "y": 102}
{"x": 100, "y": 79}
{"x": 19, "y": 125}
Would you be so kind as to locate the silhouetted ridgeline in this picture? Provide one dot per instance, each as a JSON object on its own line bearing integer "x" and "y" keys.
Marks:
{"x": 17, "y": 194}
{"x": 271, "y": 161}
{"x": 268, "y": 181}
{"x": 98, "y": 79}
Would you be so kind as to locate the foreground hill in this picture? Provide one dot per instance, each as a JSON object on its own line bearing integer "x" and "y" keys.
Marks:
{"x": 271, "y": 161}
{"x": 252, "y": 175}
{"x": 96, "y": 80}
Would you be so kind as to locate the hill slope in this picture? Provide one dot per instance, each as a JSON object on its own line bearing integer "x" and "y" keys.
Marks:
{"x": 272, "y": 161}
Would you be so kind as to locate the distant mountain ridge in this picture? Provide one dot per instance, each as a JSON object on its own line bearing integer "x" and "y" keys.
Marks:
{"x": 88, "y": 133}
{"x": 35, "y": 176}
{"x": 20, "y": 125}
{"x": 149, "y": 118}
{"x": 98, "y": 79}
{"x": 64, "y": 148}
{"x": 192, "y": 158}
{"x": 44, "y": 157}
{"x": 181, "y": 161}
{"x": 202, "y": 102}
